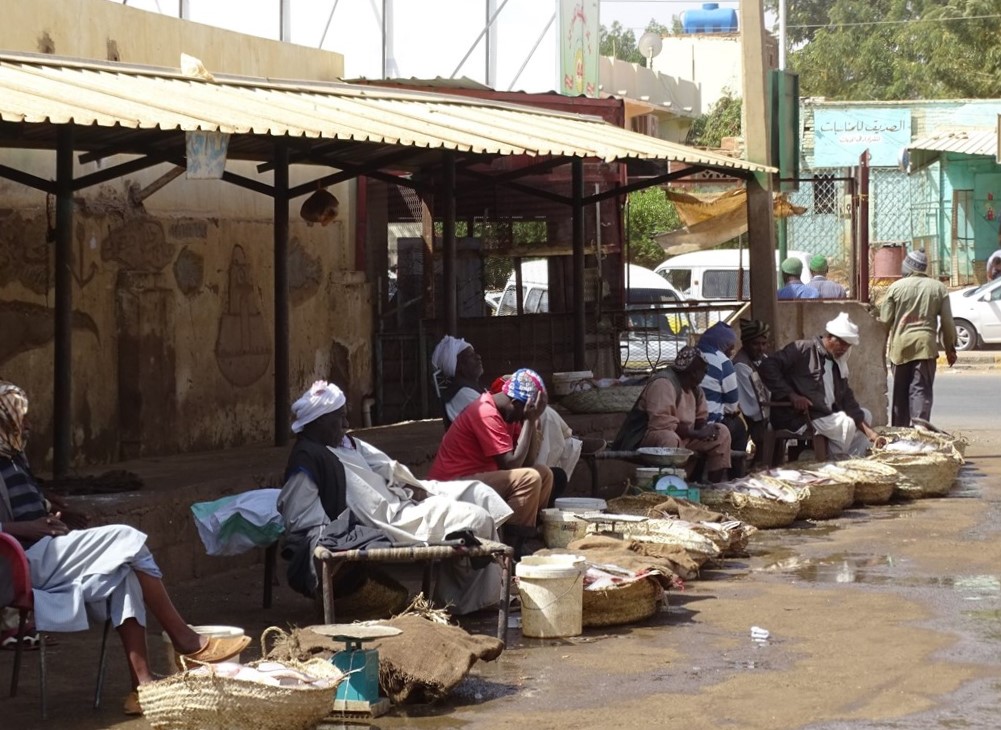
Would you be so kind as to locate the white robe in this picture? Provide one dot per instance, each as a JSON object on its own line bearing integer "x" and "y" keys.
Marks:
{"x": 76, "y": 574}
{"x": 380, "y": 494}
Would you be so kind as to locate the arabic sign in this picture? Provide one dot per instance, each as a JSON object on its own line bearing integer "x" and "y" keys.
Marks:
{"x": 579, "y": 47}
{"x": 842, "y": 135}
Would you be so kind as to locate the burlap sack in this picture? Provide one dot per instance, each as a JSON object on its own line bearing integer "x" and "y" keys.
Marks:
{"x": 429, "y": 659}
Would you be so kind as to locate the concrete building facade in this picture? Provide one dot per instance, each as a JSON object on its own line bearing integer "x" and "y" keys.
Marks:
{"x": 173, "y": 325}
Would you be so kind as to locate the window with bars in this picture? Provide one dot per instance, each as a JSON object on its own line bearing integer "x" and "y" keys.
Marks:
{"x": 824, "y": 194}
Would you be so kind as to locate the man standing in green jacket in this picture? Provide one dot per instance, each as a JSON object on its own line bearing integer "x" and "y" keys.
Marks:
{"x": 916, "y": 308}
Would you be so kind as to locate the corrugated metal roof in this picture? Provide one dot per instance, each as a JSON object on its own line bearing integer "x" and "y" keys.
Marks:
{"x": 39, "y": 90}
{"x": 964, "y": 142}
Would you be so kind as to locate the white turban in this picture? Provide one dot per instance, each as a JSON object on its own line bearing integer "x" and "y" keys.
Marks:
{"x": 843, "y": 328}
{"x": 321, "y": 398}
{"x": 446, "y": 354}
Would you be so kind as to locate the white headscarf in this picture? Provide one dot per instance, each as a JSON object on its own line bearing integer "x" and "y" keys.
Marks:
{"x": 321, "y": 398}
{"x": 446, "y": 354}
{"x": 843, "y": 328}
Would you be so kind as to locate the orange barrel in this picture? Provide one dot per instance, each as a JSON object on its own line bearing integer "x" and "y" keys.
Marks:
{"x": 886, "y": 263}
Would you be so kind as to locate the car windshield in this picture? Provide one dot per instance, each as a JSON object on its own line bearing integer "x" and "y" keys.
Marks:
{"x": 978, "y": 289}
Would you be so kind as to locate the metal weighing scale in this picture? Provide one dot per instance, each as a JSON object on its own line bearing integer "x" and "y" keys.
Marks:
{"x": 358, "y": 695}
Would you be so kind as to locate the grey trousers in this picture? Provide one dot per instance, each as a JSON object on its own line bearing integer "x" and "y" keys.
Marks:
{"x": 912, "y": 391}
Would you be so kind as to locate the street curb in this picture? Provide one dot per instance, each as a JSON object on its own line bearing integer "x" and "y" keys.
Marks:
{"x": 979, "y": 362}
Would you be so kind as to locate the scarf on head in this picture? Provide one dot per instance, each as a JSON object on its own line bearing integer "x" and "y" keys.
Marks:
{"x": 718, "y": 337}
{"x": 13, "y": 408}
{"x": 446, "y": 354}
{"x": 321, "y": 398}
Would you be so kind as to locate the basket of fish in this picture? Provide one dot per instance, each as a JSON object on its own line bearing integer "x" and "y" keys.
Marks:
{"x": 874, "y": 481}
{"x": 824, "y": 495}
{"x": 758, "y": 500}
{"x": 926, "y": 470}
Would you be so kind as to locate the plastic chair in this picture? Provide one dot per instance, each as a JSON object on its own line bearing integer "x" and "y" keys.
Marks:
{"x": 14, "y": 562}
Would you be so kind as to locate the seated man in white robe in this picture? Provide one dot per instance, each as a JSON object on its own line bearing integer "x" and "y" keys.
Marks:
{"x": 329, "y": 472}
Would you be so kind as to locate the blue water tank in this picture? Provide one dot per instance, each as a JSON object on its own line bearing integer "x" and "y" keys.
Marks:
{"x": 711, "y": 18}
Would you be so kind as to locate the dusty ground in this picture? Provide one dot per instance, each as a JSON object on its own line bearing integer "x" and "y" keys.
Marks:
{"x": 889, "y": 617}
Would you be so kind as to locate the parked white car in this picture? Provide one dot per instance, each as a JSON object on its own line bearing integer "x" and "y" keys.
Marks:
{"x": 977, "y": 314}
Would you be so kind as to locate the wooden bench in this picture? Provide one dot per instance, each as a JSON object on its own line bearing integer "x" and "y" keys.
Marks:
{"x": 428, "y": 555}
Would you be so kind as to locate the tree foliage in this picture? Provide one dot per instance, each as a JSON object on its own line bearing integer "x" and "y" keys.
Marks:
{"x": 896, "y": 49}
{"x": 620, "y": 42}
{"x": 649, "y": 213}
{"x": 723, "y": 120}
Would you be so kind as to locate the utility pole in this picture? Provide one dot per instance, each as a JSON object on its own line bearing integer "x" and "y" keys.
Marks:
{"x": 760, "y": 223}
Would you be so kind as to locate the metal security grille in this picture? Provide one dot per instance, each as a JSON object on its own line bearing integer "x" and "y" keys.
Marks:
{"x": 825, "y": 227}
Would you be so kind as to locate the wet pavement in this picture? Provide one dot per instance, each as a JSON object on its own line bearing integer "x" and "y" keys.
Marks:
{"x": 888, "y": 617}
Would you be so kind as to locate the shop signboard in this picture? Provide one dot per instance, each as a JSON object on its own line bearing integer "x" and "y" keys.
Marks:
{"x": 842, "y": 135}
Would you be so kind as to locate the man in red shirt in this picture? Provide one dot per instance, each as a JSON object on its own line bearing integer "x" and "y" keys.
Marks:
{"x": 491, "y": 441}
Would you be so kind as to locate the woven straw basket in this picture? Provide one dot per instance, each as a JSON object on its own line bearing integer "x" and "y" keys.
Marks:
{"x": 617, "y": 399}
{"x": 952, "y": 446}
{"x": 874, "y": 481}
{"x": 640, "y": 505}
{"x": 761, "y": 512}
{"x": 924, "y": 475}
{"x": 186, "y": 702}
{"x": 826, "y": 501}
{"x": 623, "y": 604}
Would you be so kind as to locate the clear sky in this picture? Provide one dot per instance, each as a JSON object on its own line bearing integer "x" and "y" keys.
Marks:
{"x": 429, "y": 37}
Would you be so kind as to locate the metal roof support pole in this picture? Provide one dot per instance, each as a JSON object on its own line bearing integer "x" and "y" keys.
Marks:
{"x": 62, "y": 386}
{"x": 579, "y": 330}
{"x": 448, "y": 253}
{"x": 756, "y": 121}
{"x": 282, "y": 405}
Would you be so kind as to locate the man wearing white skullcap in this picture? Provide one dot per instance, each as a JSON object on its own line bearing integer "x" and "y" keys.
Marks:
{"x": 334, "y": 481}
{"x": 917, "y": 309}
{"x": 812, "y": 375}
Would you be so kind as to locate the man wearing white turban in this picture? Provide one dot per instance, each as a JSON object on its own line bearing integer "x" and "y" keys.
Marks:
{"x": 329, "y": 472}
{"x": 812, "y": 375}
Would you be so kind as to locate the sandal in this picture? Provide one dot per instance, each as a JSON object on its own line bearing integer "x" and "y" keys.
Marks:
{"x": 30, "y": 640}
{"x": 131, "y": 705}
{"x": 218, "y": 649}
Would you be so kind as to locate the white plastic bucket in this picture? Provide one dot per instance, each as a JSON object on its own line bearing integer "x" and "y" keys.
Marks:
{"x": 210, "y": 631}
{"x": 580, "y": 504}
{"x": 560, "y": 528}
{"x": 552, "y": 595}
{"x": 563, "y": 383}
{"x": 646, "y": 476}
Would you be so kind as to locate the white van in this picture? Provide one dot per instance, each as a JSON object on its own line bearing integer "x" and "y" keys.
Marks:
{"x": 652, "y": 338}
{"x": 714, "y": 274}
{"x": 644, "y": 287}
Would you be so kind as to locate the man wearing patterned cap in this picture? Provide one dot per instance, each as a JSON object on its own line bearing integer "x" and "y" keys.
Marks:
{"x": 916, "y": 308}
{"x": 812, "y": 376}
{"x": 332, "y": 477}
{"x": 491, "y": 441}
{"x": 826, "y": 288}
{"x": 753, "y": 396}
{"x": 677, "y": 413}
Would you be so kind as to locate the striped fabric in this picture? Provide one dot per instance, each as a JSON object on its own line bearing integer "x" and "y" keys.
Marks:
{"x": 719, "y": 385}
